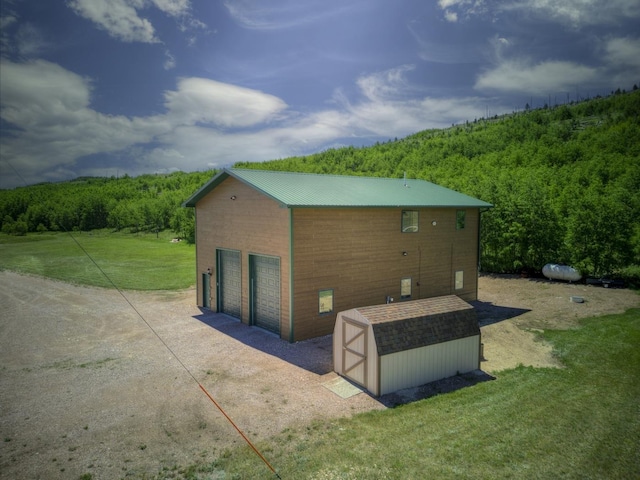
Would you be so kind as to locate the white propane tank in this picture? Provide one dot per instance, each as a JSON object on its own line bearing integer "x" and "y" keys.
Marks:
{"x": 561, "y": 272}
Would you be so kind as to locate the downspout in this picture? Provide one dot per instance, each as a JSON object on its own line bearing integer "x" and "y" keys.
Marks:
{"x": 479, "y": 252}
{"x": 291, "y": 290}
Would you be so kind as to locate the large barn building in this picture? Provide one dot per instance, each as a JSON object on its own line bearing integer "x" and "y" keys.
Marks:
{"x": 287, "y": 251}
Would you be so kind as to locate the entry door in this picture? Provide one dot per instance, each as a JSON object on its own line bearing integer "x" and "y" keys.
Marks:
{"x": 265, "y": 292}
{"x": 229, "y": 283}
{"x": 354, "y": 351}
{"x": 206, "y": 290}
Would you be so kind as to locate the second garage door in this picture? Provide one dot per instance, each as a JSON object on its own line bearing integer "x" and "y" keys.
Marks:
{"x": 265, "y": 292}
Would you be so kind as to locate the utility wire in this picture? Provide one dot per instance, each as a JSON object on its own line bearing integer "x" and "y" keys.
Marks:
{"x": 174, "y": 354}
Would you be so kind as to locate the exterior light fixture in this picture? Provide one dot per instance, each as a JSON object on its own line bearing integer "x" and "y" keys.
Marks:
{"x": 209, "y": 271}
{"x": 434, "y": 223}
{"x": 233, "y": 197}
{"x": 404, "y": 254}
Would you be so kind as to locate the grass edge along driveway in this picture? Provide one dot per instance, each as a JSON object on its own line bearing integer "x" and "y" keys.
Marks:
{"x": 581, "y": 421}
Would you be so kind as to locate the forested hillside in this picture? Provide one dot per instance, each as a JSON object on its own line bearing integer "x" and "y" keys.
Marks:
{"x": 565, "y": 183}
{"x": 144, "y": 203}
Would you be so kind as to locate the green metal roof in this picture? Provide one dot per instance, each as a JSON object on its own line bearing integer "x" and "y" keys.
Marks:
{"x": 313, "y": 190}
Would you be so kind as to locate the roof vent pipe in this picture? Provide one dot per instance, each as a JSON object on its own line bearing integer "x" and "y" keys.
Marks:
{"x": 405, "y": 179}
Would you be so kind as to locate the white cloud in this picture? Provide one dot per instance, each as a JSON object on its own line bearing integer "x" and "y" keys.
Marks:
{"x": 174, "y": 8}
{"x": 169, "y": 61}
{"x": 50, "y": 107}
{"x": 622, "y": 58}
{"x": 466, "y": 8}
{"x": 261, "y": 15}
{"x": 623, "y": 52}
{"x": 541, "y": 78}
{"x": 118, "y": 18}
{"x": 199, "y": 100}
{"x": 121, "y": 19}
{"x": 574, "y": 13}
{"x": 29, "y": 41}
{"x": 580, "y": 13}
{"x": 386, "y": 84}
{"x": 206, "y": 123}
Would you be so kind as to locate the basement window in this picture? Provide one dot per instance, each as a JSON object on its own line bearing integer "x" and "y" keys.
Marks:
{"x": 325, "y": 301}
{"x": 460, "y": 219}
{"x": 405, "y": 288}
{"x": 409, "y": 221}
{"x": 459, "y": 280}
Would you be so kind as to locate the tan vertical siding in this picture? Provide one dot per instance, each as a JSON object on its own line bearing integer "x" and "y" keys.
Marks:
{"x": 252, "y": 224}
{"x": 359, "y": 254}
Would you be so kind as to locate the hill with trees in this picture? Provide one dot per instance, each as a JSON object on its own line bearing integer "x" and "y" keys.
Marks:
{"x": 564, "y": 182}
{"x": 145, "y": 203}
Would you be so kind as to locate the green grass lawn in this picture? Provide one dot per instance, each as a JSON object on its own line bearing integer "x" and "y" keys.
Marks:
{"x": 132, "y": 262}
{"x": 578, "y": 422}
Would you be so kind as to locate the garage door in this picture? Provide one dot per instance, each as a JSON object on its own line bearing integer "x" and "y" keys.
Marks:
{"x": 265, "y": 292}
{"x": 229, "y": 283}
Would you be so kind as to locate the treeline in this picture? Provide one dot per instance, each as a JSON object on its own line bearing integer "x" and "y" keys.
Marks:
{"x": 564, "y": 181}
{"x": 144, "y": 203}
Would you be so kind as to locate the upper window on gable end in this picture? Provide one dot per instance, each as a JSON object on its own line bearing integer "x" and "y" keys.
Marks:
{"x": 461, "y": 216}
{"x": 409, "y": 221}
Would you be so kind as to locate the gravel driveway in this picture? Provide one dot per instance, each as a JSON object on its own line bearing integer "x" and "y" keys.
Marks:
{"x": 87, "y": 387}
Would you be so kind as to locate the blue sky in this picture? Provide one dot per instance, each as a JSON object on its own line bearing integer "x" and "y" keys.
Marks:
{"x": 110, "y": 87}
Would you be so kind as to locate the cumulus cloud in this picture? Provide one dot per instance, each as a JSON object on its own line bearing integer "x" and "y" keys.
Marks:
{"x": 121, "y": 19}
{"x": 118, "y": 18}
{"x": 206, "y": 123}
{"x": 623, "y": 52}
{"x": 51, "y": 122}
{"x": 541, "y": 78}
{"x": 574, "y": 13}
{"x": 465, "y": 8}
{"x": 622, "y": 58}
{"x": 200, "y": 100}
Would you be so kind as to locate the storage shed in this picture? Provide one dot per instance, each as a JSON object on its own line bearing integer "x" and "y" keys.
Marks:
{"x": 386, "y": 348}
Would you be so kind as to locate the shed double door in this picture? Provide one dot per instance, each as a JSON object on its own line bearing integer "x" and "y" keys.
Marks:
{"x": 354, "y": 351}
{"x": 264, "y": 277}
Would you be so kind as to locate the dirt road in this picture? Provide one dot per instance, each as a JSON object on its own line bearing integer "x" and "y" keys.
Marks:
{"x": 92, "y": 382}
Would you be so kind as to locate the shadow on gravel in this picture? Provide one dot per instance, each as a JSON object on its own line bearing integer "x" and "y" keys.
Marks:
{"x": 314, "y": 355}
{"x": 489, "y": 313}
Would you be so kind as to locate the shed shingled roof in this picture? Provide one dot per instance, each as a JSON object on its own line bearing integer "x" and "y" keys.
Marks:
{"x": 419, "y": 323}
{"x": 314, "y": 190}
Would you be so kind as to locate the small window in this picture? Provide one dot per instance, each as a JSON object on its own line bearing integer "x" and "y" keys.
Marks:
{"x": 405, "y": 288}
{"x": 325, "y": 301}
{"x": 409, "y": 221}
{"x": 459, "y": 280}
{"x": 460, "y": 218}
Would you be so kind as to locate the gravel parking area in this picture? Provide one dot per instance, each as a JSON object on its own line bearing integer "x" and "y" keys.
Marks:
{"x": 87, "y": 387}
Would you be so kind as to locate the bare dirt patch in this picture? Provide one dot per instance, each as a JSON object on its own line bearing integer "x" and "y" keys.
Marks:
{"x": 86, "y": 387}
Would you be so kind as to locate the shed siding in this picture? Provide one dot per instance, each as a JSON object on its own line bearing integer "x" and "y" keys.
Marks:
{"x": 418, "y": 366}
{"x": 252, "y": 224}
{"x": 358, "y": 252}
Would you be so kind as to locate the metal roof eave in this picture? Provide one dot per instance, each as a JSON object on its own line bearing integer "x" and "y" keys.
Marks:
{"x": 217, "y": 180}
{"x": 206, "y": 188}
{"x": 226, "y": 173}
